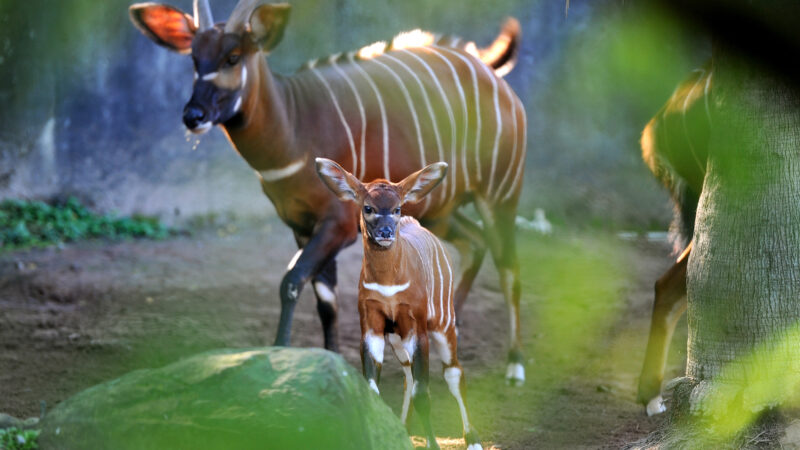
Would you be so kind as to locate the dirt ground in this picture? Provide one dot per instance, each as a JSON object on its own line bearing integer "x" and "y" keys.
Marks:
{"x": 82, "y": 314}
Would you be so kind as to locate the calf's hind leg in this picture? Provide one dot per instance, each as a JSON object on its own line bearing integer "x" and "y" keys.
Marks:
{"x": 446, "y": 346}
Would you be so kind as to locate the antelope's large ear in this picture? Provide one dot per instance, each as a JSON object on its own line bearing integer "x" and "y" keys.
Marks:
{"x": 340, "y": 181}
{"x": 166, "y": 26}
{"x": 267, "y": 24}
{"x": 419, "y": 184}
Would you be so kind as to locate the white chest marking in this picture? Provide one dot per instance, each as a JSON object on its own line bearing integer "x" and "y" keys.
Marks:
{"x": 273, "y": 175}
{"x": 387, "y": 291}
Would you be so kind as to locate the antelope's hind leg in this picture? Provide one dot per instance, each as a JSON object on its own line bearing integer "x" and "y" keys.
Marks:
{"x": 447, "y": 347}
{"x": 669, "y": 305}
{"x": 500, "y": 231}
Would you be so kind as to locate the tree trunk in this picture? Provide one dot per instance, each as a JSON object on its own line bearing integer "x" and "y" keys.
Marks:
{"x": 744, "y": 271}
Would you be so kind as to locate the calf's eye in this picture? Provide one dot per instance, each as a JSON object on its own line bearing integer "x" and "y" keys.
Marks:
{"x": 367, "y": 209}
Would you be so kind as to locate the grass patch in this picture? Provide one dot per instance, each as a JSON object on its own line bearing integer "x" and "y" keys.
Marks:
{"x": 25, "y": 224}
{"x": 16, "y": 439}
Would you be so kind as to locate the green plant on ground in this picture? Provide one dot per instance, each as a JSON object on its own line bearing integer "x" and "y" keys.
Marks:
{"x": 36, "y": 224}
{"x": 16, "y": 439}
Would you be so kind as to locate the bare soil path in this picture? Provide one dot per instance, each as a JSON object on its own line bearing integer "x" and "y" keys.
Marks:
{"x": 77, "y": 316}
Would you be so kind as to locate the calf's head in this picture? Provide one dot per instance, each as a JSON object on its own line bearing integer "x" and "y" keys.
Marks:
{"x": 220, "y": 52}
{"x": 380, "y": 201}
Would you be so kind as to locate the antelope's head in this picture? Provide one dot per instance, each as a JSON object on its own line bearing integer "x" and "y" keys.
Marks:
{"x": 381, "y": 200}
{"x": 220, "y": 52}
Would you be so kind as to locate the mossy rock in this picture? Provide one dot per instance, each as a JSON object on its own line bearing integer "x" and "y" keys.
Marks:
{"x": 226, "y": 399}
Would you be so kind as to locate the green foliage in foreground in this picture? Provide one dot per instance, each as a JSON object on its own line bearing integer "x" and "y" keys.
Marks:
{"x": 16, "y": 439}
{"x": 36, "y": 224}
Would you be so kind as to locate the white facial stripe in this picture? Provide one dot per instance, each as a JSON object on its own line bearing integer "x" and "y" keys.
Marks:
{"x": 196, "y": 76}
{"x": 387, "y": 290}
{"x": 273, "y": 175}
{"x": 244, "y": 75}
{"x": 210, "y": 76}
{"x": 375, "y": 346}
{"x": 238, "y": 104}
{"x": 324, "y": 292}
{"x": 294, "y": 259}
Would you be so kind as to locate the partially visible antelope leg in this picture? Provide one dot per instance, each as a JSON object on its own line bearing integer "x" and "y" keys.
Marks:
{"x": 420, "y": 392}
{"x": 499, "y": 229}
{"x": 325, "y": 290}
{"x": 467, "y": 237}
{"x": 446, "y": 346}
{"x": 373, "y": 323}
{"x": 669, "y": 305}
{"x": 323, "y": 247}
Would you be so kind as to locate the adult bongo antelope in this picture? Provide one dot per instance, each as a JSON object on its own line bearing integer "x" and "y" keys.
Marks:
{"x": 405, "y": 291}
{"x": 675, "y": 148}
{"x": 383, "y": 112}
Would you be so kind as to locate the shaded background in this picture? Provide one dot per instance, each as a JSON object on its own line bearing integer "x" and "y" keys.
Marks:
{"x": 92, "y": 108}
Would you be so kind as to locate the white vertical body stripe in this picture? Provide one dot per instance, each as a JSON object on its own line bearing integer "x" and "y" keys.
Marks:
{"x": 512, "y": 160}
{"x": 470, "y": 66}
{"x": 452, "y": 119}
{"x": 341, "y": 116}
{"x": 362, "y": 162}
{"x": 464, "y": 113}
{"x": 413, "y": 110}
{"x": 383, "y": 114}
{"x": 495, "y": 97}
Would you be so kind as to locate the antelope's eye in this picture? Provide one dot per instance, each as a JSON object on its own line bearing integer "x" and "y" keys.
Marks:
{"x": 233, "y": 58}
{"x": 367, "y": 209}
{"x": 397, "y": 210}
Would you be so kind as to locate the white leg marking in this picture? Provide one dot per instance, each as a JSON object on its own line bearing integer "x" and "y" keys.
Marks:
{"x": 656, "y": 406}
{"x": 442, "y": 347}
{"x": 403, "y": 349}
{"x": 374, "y": 386}
{"x": 382, "y": 107}
{"x": 375, "y": 346}
{"x": 515, "y": 371}
{"x": 324, "y": 293}
{"x": 453, "y": 377}
{"x": 341, "y": 116}
{"x": 475, "y": 446}
{"x": 294, "y": 259}
{"x": 343, "y": 74}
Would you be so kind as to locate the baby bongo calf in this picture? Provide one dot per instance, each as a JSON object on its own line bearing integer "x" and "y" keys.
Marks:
{"x": 406, "y": 288}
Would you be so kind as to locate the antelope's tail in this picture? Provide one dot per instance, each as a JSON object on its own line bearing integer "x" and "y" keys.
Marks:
{"x": 501, "y": 55}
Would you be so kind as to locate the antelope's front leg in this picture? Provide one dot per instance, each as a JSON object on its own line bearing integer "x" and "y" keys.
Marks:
{"x": 321, "y": 249}
{"x": 421, "y": 391}
{"x": 373, "y": 323}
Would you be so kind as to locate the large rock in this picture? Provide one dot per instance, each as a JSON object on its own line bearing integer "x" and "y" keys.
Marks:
{"x": 230, "y": 399}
